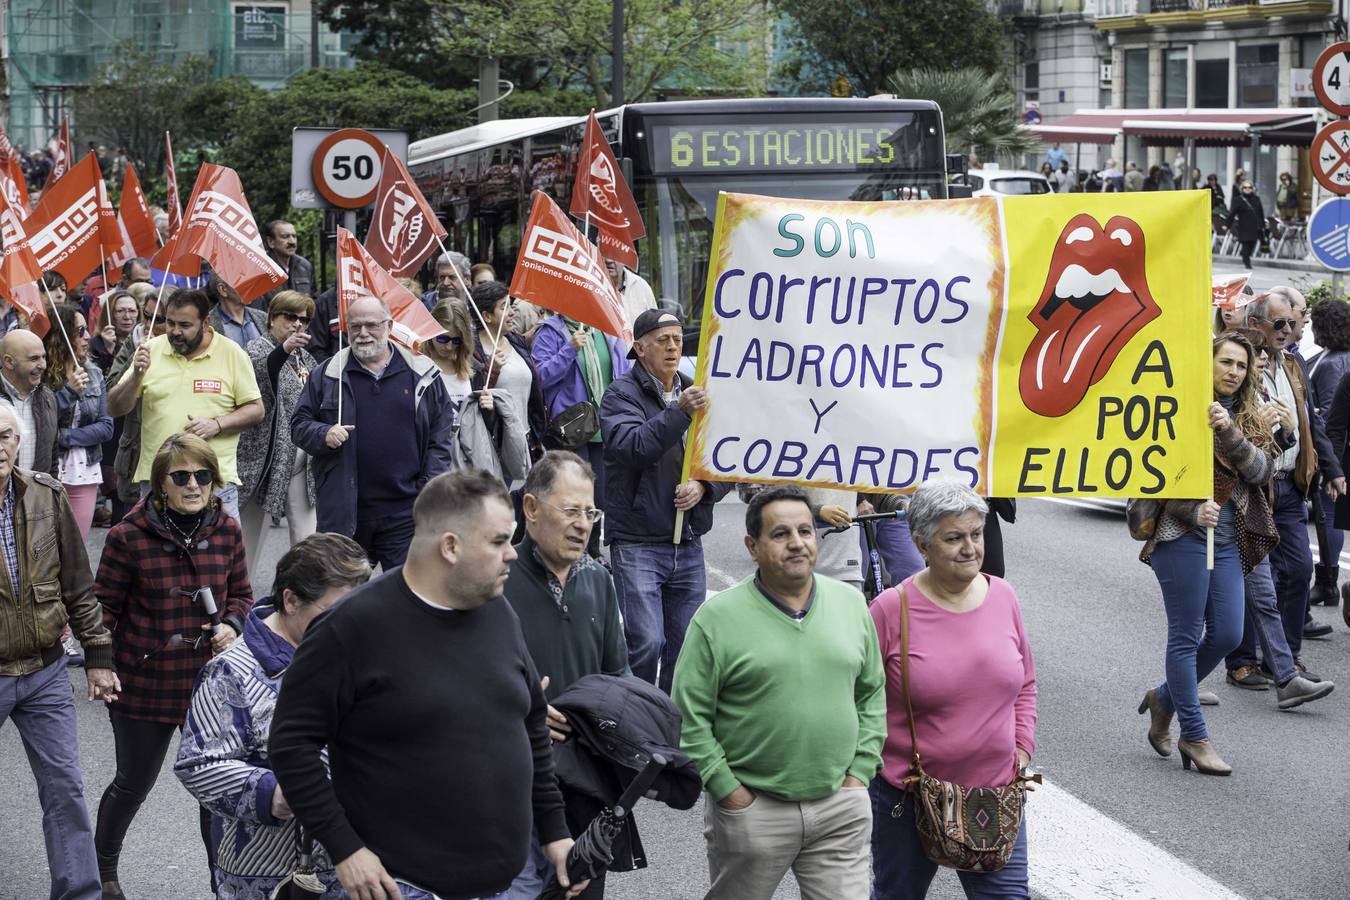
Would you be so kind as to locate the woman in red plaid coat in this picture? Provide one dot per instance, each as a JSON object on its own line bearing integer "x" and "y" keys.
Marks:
{"x": 175, "y": 591}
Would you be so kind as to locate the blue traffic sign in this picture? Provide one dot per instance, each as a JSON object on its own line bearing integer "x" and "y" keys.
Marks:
{"x": 1329, "y": 234}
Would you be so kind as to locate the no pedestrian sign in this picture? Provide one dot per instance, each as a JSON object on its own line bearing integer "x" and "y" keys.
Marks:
{"x": 1330, "y": 157}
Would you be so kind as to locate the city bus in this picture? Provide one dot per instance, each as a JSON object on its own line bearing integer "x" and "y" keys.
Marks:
{"x": 677, "y": 156}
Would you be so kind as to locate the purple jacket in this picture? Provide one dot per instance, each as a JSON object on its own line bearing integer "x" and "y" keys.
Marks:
{"x": 559, "y": 374}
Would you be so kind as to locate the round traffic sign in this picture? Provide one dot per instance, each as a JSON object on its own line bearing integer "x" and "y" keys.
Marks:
{"x": 1330, "y": 157}
{"x": 1331, "y": 78}
{"x": 1329, "y": 234}
{"x": 346, "y": 167}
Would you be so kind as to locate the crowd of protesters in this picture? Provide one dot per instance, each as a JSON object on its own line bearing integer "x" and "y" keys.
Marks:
{"x": 481, "y": 475}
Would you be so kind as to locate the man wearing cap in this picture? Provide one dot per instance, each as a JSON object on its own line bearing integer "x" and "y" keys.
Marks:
{"x": 658, "y": 574}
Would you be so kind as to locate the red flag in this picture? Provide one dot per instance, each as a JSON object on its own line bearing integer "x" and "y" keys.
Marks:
{"x": 135, "y": 224}
{"x": 73, "y": 222}
{"x": 19, "y": 269}
{"x": 171, "y": 182}
{"x": 61, "y": 159}
{"x": 403, "y": 230}
{"x": 6, "y": 148}
{"x": 1228, "y": 294}
{"x": 560, "y": 270}
{"x": 15, "y": 188}
{"x": 359, "y": 275}
{"x": 220, "y": 229}
{"x": 601, "y": 193}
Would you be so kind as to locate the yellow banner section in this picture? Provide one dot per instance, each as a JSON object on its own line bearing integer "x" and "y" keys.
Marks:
{"x": 1038, "y": 346}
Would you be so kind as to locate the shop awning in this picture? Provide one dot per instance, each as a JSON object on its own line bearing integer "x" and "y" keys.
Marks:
{"x": 1207, "y": 127}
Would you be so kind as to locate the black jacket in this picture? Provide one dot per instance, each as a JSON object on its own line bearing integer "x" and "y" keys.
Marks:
{"x": 618, "y": 724}
{"x": 45, "y": 451}
{"x": 1249, "y": 217}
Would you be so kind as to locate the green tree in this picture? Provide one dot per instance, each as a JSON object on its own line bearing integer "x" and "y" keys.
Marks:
{"x": 978, "y": 109}
{"x": 866, "y": 41}
{"x": 694, "y": 45}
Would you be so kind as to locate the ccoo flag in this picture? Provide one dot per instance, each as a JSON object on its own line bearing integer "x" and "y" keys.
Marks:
{"x": 560, "y": 270}
{"x": 135, "y": 224}
{"x": 219, "y": 228}
{"x": 61, "y": 158}
{"x": 15, "y": 187}
{"x": 359, "y": 275}
{"x": 19, "y": 269}
{"x": 171, "y": 186}
{"x": 403, "y": 229}
{"x": 601, "y": 193}
{"x": 74, "y": 223}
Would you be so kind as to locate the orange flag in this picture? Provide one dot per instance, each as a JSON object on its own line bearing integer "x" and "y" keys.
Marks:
{"x": 19, "y": 269}
{"x": 601, "y": 193}
{"x": 359, "y": 275}
{"x": 403, "y": 229}
{"x": 73, "y": 223}
{"x": 171, "y": 183}
{"x": 219, "y": 228}
{"x": 15, "y": 187}
{"x": 560, "y": 270}
{"x": 135, "y": 224}
{"x": 61, "y": 158}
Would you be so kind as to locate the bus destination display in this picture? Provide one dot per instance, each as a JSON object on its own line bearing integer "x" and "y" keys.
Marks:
{"x": 773, "y": 146}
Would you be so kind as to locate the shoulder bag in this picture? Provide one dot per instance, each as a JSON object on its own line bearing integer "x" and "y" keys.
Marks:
{"x": 964, "y": 828}
{"x": 572, "y": 427}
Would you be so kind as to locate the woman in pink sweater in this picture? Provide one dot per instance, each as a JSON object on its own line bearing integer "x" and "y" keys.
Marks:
{"x": 972, "y": 685}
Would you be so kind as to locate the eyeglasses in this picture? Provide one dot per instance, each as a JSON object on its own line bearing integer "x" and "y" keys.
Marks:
{"x": 359, "y": 327}
{"x": 203, "y": 477}
{"x": 574, "y": 513}
{"x": 83, "y": 332}
{"x": 449, "y": 339}
{"x": 295, "y": 317}
{"x": 1277, "y": 324}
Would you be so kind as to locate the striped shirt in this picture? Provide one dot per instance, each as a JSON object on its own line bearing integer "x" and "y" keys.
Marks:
{"x": 8, "y": 544}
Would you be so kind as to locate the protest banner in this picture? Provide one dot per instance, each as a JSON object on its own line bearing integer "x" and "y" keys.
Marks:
{"x": 359, "y": 275}
{"x": 1028, "y": 346}
{"x": 600, "y": 194}
{"x": 404, "y": 229}
{"x": 74, "y": 223}
{"x": 61, "y": 161}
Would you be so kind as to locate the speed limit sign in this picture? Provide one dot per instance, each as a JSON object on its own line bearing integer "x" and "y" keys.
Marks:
{"x": 1331, "y": 78}
{"x": 346, "y": 167}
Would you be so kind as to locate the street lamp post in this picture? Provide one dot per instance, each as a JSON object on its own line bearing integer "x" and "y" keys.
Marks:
{"x": 616, "y": 27}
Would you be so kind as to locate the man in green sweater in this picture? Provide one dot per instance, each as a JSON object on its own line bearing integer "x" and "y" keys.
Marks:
{"x": 782, "y": 690}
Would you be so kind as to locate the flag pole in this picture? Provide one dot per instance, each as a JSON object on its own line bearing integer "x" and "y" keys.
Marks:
{"x": 56, "y": 315}
{"x": 468, "y": 299}
{"x": 158, "y": 300}
{"x": 103, "y": 267}
{"x": 339, "y": 350}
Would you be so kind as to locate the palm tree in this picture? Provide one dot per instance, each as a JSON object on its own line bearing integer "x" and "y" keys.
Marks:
{"x": 978, "y": 109}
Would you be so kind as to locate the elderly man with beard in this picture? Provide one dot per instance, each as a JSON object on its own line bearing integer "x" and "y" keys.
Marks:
{"x": 394, "y": 434}
{"x": 191, "y": 379}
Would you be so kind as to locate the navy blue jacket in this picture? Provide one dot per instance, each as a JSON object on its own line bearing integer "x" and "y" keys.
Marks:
{"x": 336, "y": 481}
{"x": 644, "y": 457}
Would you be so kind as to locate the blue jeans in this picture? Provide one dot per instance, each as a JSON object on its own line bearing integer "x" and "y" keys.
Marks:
{"x": 385, "y": 539}
{"x": 416, "y": 893}
{"x": 228, "y": 497}
{"x": 900, "y": 871}
{"x": 897, "y": 550}
{"x": 1263, "y": 620}
{"x": 659, "y": 586}
{"x": 42, "y": 706}
{"x": 529, "y": 884}
{"x": 1292, "y": 565}
{"x": 1205, "y": 613}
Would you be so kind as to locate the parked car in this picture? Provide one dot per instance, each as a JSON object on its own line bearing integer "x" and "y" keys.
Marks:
{"x": 989, "y": 182}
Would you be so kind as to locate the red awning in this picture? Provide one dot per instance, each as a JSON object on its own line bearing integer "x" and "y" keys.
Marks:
{"x": 1207, "y": 127}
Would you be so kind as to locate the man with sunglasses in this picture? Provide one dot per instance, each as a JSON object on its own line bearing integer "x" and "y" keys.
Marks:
{"x": 568, "y": 610}
{"x": 1306, "y": 464}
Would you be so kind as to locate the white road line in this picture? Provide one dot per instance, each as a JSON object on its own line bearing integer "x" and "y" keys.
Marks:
{"x": 1077, "y": 853}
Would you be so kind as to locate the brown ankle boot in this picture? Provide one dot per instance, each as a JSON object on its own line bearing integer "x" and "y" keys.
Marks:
{"x": 1160, "y": 723}
{"x": 1206, "y": 758}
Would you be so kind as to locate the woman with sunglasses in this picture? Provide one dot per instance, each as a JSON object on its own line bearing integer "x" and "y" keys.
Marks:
{"x": 175, "y": 591}
{"x": 1247, "y": 220}
{"x": 276, "y": 479}
{"x": 1205, "y": 607}
{"x": 82, "y": 420}
{"x": 452, "y": 350}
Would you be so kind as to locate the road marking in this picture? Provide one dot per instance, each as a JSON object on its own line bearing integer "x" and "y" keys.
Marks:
{"x": 1077, "y": 853}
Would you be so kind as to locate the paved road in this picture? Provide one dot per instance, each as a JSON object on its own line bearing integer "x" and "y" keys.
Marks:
{"x": 1277, "y": 829}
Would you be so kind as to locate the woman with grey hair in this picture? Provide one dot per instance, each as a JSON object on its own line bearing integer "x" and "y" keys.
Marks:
{"x": 972, "y": 684}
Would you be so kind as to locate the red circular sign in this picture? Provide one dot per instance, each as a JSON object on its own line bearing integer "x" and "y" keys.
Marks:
{"x": 346, "y": 167}
{"x": 1329, "y": 157}
{"x": 1331, "y": 78}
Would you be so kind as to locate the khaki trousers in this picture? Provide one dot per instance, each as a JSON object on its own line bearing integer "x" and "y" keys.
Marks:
{"x": 827, "y": 843}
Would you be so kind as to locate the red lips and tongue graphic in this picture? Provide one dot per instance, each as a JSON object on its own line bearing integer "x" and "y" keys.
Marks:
{"x": 1096, "y": 298}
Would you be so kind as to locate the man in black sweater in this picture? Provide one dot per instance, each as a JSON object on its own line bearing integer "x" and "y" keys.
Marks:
{"x": 422, "y": 689}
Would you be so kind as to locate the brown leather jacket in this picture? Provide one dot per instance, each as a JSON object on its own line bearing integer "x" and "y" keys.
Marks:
{"x": 1309, "y": 433}
{"x": 56, "y": 583}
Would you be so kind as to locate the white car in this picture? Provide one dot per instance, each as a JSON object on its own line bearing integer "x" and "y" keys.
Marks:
{"x": 989, "y": 182}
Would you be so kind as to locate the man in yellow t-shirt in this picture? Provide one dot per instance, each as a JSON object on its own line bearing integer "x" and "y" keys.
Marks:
{"x": 191, "y": 379}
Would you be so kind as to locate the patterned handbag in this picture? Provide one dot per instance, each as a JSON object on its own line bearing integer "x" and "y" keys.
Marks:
{"x": 964, "y": 828}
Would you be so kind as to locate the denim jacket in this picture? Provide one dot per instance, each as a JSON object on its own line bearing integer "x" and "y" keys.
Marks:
{"x": 95, "y": 425}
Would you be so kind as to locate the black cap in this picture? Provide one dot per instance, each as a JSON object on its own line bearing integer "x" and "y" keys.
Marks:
{"x": 650, "y": 320}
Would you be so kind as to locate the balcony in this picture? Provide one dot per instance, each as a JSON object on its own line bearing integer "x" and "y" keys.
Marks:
{"x": 1024, "y": 9}
{"x": 1122, "y": 14}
